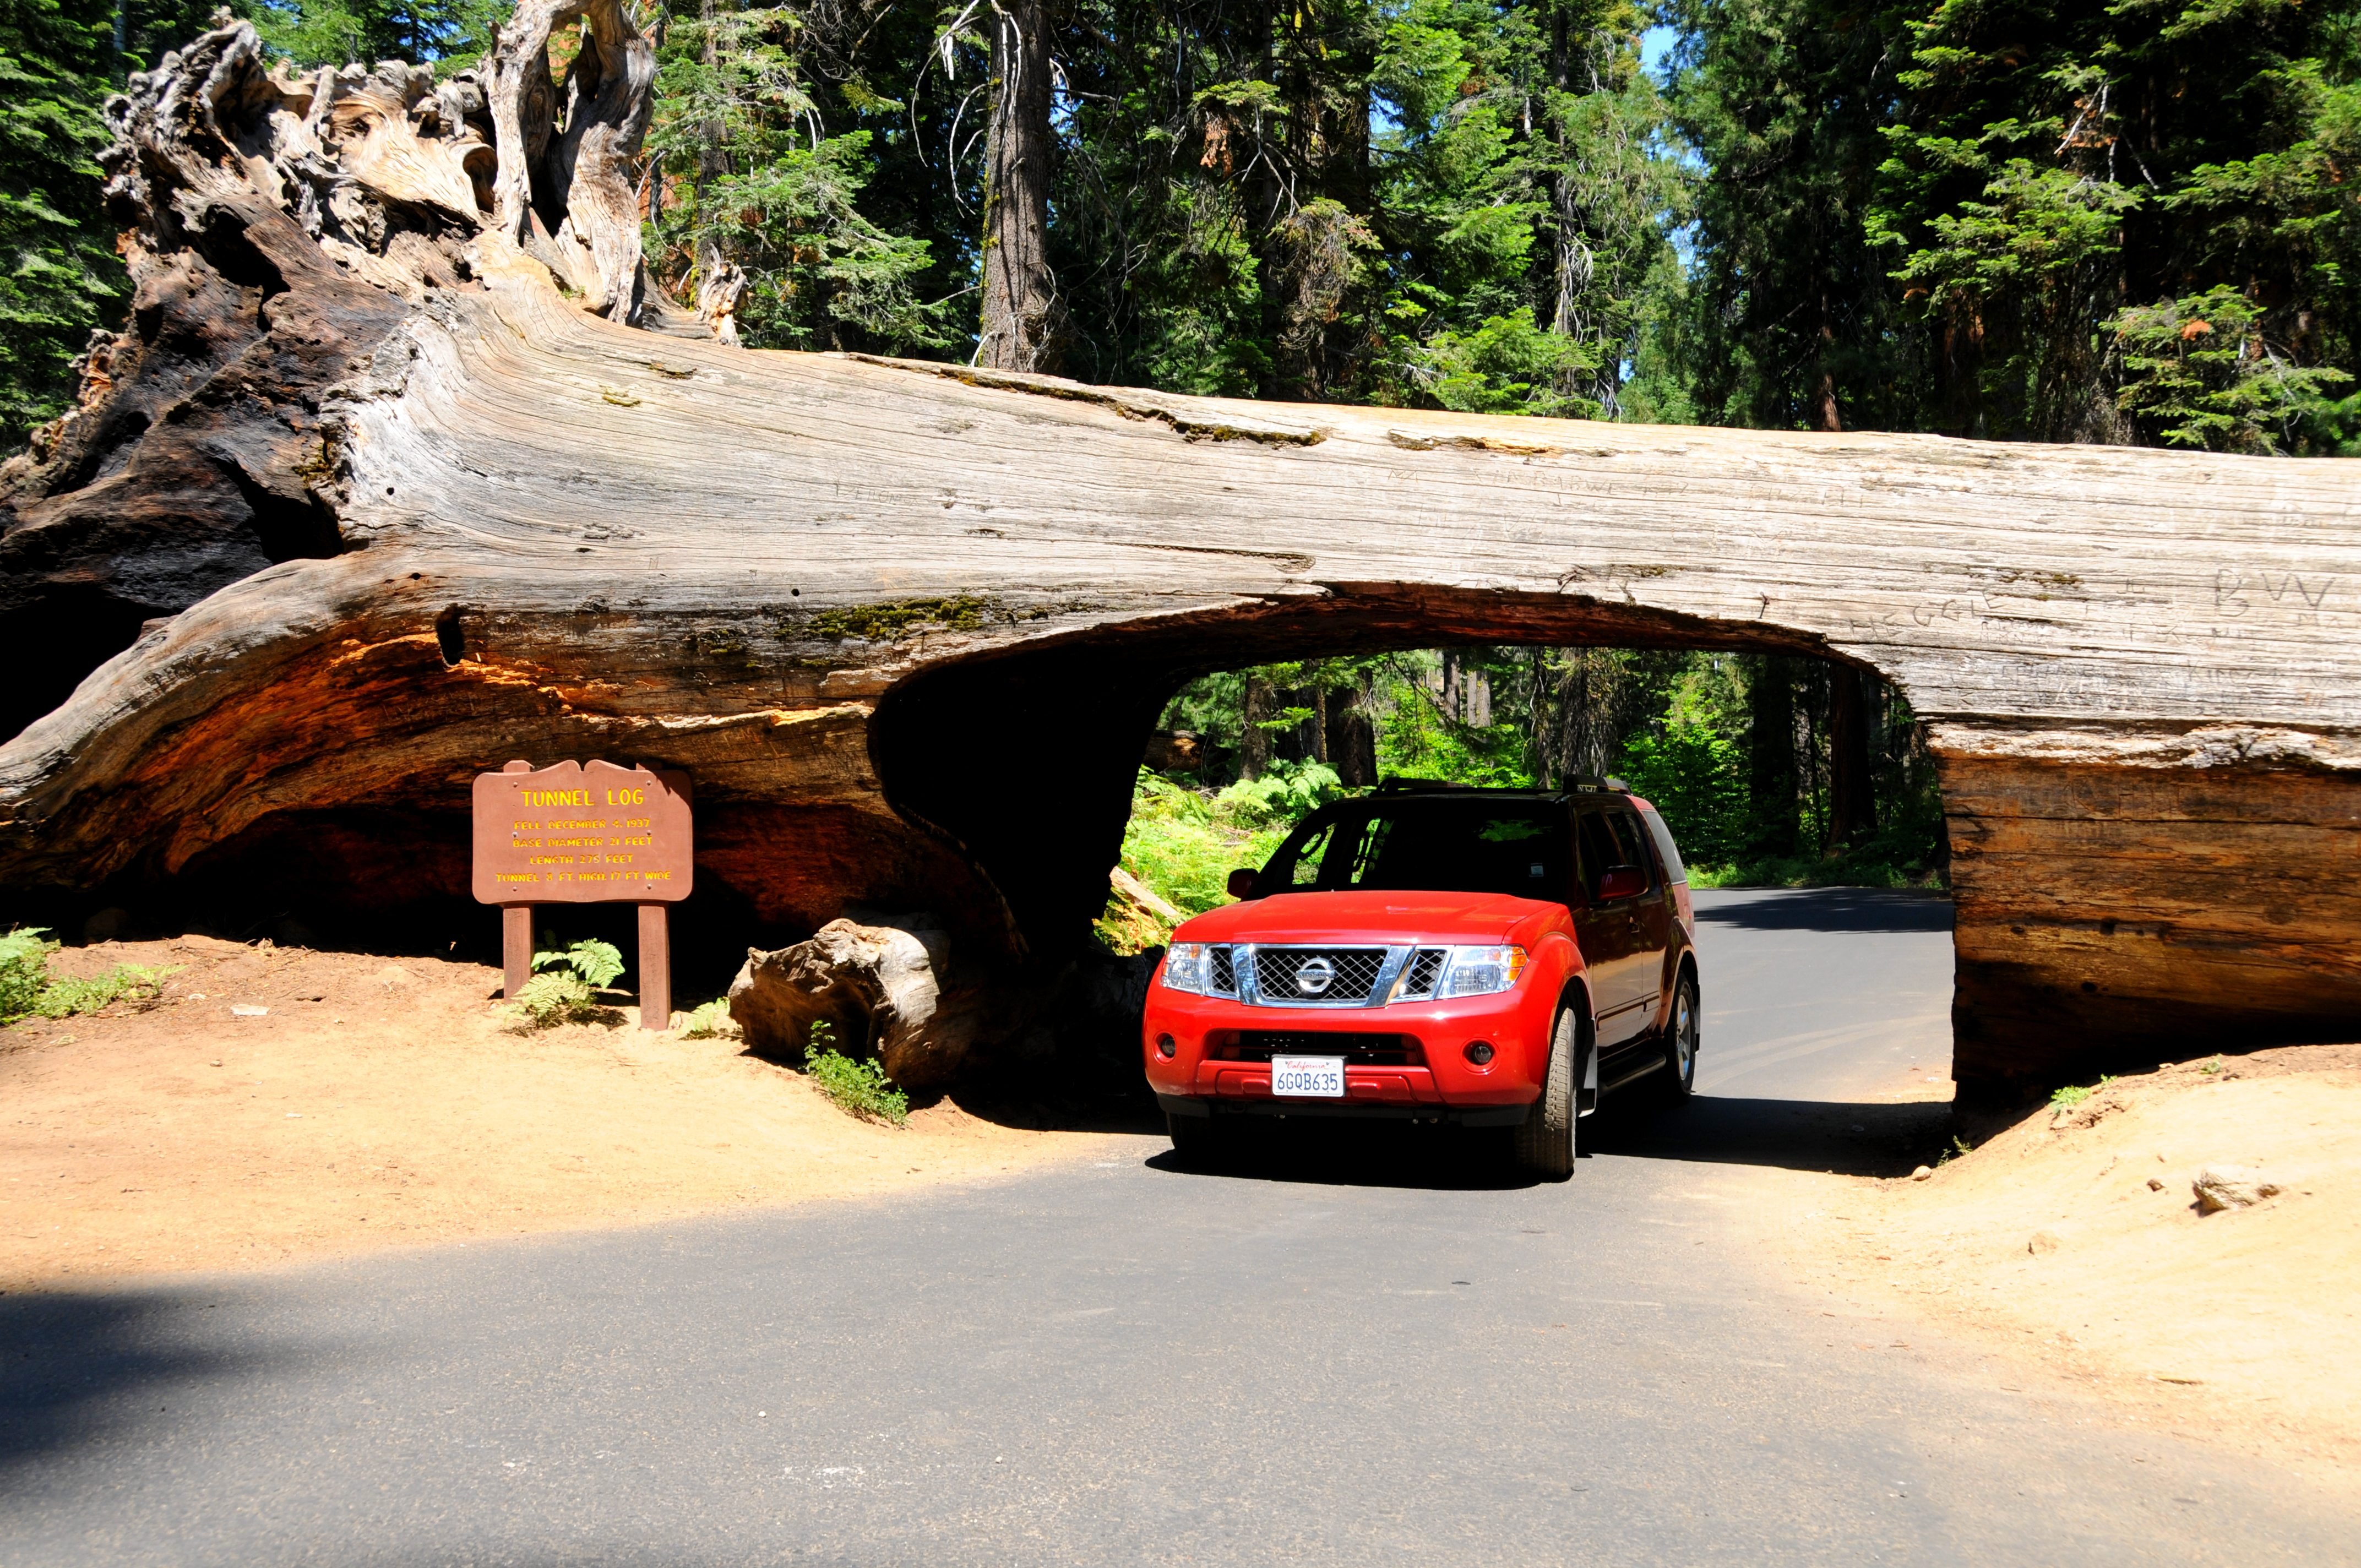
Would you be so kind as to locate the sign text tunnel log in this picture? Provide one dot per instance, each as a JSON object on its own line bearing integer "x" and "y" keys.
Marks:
{"x": 585, "y": 833}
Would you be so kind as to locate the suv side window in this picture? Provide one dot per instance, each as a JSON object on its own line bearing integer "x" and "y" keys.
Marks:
{"x": 1297, "y": 865}
{"x": 1596, "y": 848}
{"x": 1668, "y": 851}
{"x": 1632, "y": 841}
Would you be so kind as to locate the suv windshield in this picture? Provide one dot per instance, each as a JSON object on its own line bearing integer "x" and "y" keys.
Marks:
{"x": 1520, "y": 847}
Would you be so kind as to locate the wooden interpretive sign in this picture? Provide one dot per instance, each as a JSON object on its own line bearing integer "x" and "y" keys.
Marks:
{"x": 586, "y": 833}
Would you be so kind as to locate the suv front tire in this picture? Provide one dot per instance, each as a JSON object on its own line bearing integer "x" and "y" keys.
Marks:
{"x": 1543, "y": 1144}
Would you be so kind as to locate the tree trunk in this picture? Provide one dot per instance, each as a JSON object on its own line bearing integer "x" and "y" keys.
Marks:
{"x": 1825, "y": 412}
{"x": 1254, "y": 741}
{"x": 1021, "y": 313}
{"x": 407, "y": 509}
{"x": 712, "y": 162}
{"x": 1771, "y": 772}
{"x": 1852, "y": 808}
{"x": 1352, "y": 737}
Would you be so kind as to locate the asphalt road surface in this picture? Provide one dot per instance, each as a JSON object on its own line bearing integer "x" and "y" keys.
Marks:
{"x": 1366, "y": 1350}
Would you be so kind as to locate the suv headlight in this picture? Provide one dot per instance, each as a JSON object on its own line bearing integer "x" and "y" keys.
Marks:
{"x": 1480, "y": 971}
{"x": 1187, "y": 966}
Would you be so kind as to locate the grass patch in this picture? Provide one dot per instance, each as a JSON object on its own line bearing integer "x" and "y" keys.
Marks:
{"x": 27, "y": 990}
{"x": 2066, "y": 1097}
{"x": 858, "y": 1088}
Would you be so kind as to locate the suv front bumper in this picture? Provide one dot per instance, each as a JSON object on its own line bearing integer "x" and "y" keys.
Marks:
{"x": 1439, "y": 1083}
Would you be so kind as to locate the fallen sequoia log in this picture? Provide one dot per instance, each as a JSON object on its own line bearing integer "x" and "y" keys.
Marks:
{"x": 498, "y": 499}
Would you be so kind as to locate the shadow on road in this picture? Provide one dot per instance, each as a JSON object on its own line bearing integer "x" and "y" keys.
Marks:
{"x": 1840, "y": 1137}
{"x": 1861, "y": 910}
{"x": 1364, "y": 1154}
{"x": 78, "y": 1367}
{"x": 1105, "y": 1107}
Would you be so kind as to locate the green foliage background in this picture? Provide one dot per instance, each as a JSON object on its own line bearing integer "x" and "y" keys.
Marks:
{"x": 2082, "y": 220}
{"x": 1680, "y": 728}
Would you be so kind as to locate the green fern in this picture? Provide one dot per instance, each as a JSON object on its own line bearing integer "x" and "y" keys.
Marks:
{"x": 594, "y": 962}
{"x": 550, "y": 998}
{"x": 565, "y": 984}
{"x": 709, "y": 1022}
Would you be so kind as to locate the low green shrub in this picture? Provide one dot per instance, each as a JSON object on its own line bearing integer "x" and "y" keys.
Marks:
{"x": 24, "y": 972}
{"x": 858, "y": 1088}
{"x": 1894, "y": 856}
{"x": 27, "y": 990}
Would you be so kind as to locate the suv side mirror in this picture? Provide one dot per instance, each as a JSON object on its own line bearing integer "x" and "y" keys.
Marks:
{"x": 1241, "y": 883}
{"x": 1622, "y": 882}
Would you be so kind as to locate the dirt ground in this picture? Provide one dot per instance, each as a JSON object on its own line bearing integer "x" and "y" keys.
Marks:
{"x": 381, "y": 1102}
{"x": 2073, "y": 1244}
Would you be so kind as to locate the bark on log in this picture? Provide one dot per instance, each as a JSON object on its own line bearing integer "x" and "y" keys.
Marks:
{"x": 822, "y": 585}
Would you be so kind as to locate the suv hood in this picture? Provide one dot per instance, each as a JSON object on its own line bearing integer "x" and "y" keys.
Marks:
{"x": 1375, "y": 917}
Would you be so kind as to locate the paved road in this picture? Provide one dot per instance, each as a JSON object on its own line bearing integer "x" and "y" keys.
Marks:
{"x": 1370, "y": 1357}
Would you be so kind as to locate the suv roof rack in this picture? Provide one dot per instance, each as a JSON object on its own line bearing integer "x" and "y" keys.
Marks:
{"x": 1395, "y": 784}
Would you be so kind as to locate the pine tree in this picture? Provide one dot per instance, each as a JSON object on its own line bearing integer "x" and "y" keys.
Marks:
{"x": 59, "y": 275}
{"x": 1791, "y": 316}
{"x": 2131, "y": 222}
{"x": 748, "y": 181}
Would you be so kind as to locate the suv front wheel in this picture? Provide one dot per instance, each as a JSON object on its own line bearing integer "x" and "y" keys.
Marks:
{"x": 1681, "y": 1041}
{"x": 1544, "y": 1140}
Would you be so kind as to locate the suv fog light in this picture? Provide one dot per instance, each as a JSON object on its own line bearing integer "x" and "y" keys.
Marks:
{"x": 1166, "y": 1046}
{"x": 1479, "y": 1052}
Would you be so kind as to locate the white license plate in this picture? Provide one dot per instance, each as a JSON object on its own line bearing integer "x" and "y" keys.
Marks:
{"x": 1308, "y": 1078}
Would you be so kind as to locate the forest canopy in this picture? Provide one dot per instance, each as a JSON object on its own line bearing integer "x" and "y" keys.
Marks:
{"x": 2087, "y": 220}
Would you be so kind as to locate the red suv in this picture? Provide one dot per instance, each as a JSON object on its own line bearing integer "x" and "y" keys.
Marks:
{"x": 1492, "y": 958}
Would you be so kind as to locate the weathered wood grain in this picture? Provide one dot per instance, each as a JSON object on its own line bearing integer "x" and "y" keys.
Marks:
{"x": 827, "y": 586}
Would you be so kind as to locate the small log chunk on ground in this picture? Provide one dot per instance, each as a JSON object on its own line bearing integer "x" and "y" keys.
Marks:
{"x": 878, "y": 988}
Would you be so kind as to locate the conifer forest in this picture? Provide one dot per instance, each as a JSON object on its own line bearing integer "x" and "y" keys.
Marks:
{"x": 2103, "y": 221}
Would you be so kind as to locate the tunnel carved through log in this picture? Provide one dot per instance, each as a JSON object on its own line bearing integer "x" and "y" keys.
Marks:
{"x": 907, "y": 624}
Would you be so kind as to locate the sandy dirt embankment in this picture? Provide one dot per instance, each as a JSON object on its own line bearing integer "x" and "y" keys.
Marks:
{"x": 381, "y": 1102}
{"x": 2074, "y": 1240}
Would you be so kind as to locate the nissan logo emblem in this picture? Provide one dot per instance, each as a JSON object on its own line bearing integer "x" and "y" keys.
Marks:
{"x": 1314, "y": 976}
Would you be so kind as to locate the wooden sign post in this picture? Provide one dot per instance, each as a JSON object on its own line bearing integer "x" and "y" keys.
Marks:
{"x": 586, "y": 833}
